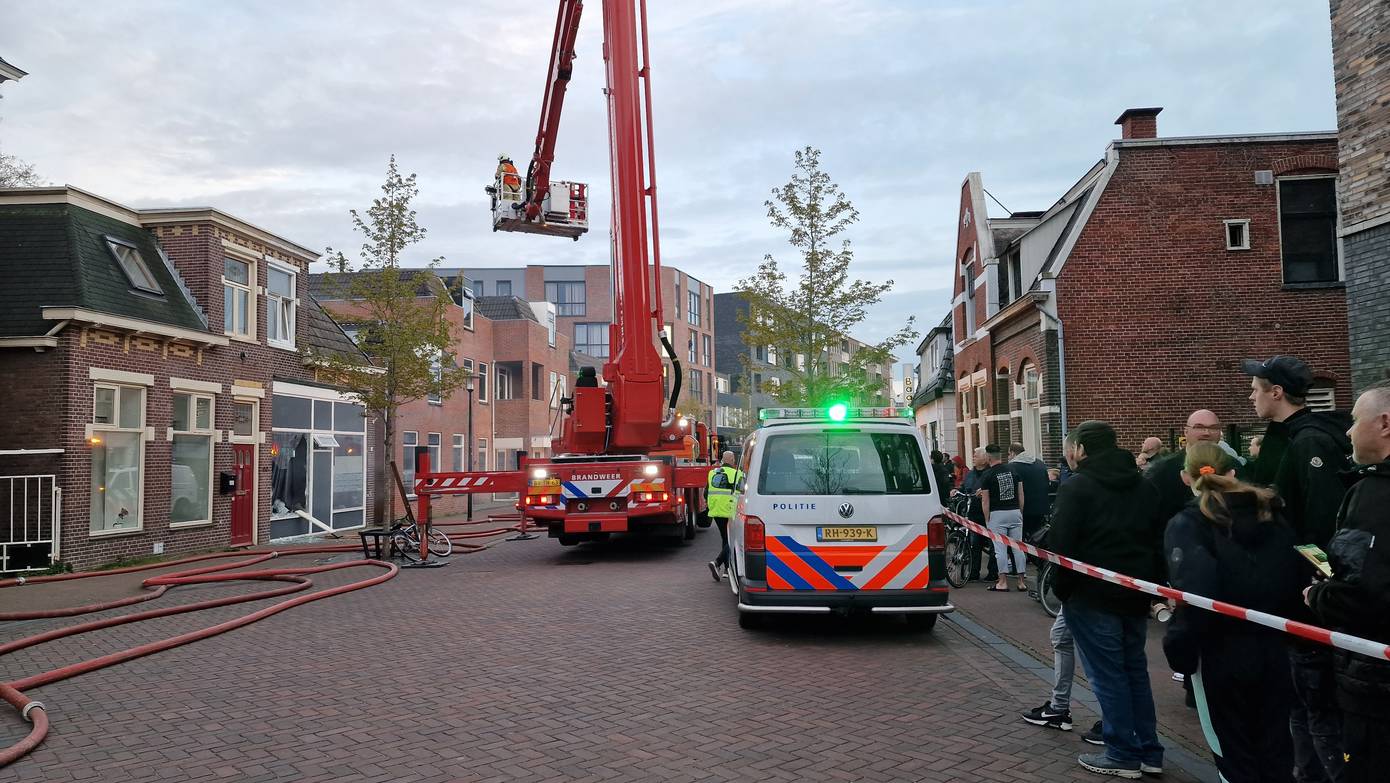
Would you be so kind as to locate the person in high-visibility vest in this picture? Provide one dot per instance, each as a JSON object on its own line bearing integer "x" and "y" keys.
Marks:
{"x": 508, "y": 178}
{"x": 719, "y": 499}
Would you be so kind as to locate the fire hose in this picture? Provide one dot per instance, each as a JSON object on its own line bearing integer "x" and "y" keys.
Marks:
{"x": 34, "y": 712}
{"x": 1341, "y": 641}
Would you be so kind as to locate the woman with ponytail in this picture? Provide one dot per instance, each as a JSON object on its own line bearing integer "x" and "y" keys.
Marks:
{"x": 1232, "y": 544}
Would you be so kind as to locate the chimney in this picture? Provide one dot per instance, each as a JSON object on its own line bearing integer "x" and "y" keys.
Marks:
{"x": 1139, "y": 123}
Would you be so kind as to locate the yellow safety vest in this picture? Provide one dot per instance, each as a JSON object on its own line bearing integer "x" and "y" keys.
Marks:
{"x": 720, "y": 500}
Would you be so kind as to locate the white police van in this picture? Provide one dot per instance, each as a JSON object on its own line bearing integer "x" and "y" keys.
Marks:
{"x": 838, "y": 512}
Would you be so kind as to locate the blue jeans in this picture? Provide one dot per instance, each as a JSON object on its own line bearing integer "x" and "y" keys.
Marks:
{"x": 1112, "y": 654}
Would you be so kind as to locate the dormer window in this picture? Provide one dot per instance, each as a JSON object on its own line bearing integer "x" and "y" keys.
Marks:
{"x": 280, "y": 301}
{"x": 133, "y": 264}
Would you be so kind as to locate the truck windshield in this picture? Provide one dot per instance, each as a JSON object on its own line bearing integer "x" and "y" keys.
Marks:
{"x": 839, "y": 462}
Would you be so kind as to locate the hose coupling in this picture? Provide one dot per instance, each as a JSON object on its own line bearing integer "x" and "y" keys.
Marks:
{"x": 30, "y": 707}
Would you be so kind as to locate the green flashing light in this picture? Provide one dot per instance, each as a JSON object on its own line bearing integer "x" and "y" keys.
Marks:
{"x": 838, "y": 411}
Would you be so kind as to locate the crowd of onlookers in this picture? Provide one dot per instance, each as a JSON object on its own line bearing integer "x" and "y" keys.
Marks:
{"x": 1244, "y": 529}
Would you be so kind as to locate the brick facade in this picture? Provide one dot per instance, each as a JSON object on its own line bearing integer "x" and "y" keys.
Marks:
{"x": 1156, "y": 313}
{"x": 1361, "y": 62}
{"x": 1150, "y": 273}
{"x": 54, "y": 389}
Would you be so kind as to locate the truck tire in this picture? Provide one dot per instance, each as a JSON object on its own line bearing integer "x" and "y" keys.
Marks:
{"x": 566, "y": 539}
{"x": 689, "y": 525}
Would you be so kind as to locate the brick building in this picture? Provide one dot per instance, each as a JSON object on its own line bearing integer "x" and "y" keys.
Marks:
{"x": 519, "y": 363}
{"x": 149, "y": 353}
{"x": 1361, "y": 62}
{"x": 583, "y": 299}
{"x": 1134, "y": 296}
{"x": 934, "y": 398}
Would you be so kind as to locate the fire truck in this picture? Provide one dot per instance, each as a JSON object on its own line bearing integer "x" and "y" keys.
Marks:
{"x": 624, "y": 461}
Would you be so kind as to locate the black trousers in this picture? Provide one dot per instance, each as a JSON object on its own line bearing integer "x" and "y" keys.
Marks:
{"x": 723, "y": 524}
{"x": 1366, "y": 741}
{"x": 1244, "y": 694}
{"x": 982, "y": 546}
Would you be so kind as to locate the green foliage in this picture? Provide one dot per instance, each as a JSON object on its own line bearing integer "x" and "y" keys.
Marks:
{"x": 400, "y": 313}
{"x": 808, "y": 321}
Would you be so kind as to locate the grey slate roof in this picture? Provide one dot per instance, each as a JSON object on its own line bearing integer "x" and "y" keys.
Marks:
{"x": 55, "y": 255}
{"x": 328, "y": 286}
{"x": 504, "y": 308}
{"x": 322, "y": 335}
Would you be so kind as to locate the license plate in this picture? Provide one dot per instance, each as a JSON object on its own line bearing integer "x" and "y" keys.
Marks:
{"x": 844, "y": 533}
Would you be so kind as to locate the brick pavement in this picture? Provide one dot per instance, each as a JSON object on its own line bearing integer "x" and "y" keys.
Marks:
{"x": 533, "y": 662}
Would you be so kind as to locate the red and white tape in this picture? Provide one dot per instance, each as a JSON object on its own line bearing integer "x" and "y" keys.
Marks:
{"x": 1312, "y": 632}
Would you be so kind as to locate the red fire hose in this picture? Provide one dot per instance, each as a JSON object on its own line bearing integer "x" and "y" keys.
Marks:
{"x": 33, "y": 711}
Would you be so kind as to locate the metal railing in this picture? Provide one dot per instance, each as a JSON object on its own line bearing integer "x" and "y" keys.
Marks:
{"x": 30, "y": 540}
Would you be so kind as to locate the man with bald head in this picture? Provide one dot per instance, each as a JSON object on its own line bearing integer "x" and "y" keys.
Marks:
{"x": 1202, "y": 426}
{"x": 1356, "y": 599}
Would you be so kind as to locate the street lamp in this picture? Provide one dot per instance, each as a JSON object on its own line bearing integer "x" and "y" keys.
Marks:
{"x": 468, "y": 447}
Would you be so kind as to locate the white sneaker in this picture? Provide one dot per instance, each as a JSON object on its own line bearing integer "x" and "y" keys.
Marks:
{"x": 1179, "y": 677}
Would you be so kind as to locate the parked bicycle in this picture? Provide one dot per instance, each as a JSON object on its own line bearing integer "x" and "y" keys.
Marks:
{"x": 957, "y": 542}
{"x": 1045, "y": 593}
{"x": 405, "y": 541}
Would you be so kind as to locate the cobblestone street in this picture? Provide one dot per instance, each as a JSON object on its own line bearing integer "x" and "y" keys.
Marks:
{"x": 533, "y": 662}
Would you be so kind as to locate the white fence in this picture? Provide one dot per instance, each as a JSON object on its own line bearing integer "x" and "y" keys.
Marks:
{"x": 29, "y": 541}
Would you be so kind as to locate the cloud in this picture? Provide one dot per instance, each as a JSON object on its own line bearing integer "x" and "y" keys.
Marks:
{"x": 284, "y": 113}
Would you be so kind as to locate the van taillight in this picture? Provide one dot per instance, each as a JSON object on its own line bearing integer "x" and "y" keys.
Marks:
{"x": 936, "y": 533}
{"x": 754, "y": 539}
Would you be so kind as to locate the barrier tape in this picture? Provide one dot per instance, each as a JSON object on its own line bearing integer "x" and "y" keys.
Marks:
{"x": 1311, "y": 632}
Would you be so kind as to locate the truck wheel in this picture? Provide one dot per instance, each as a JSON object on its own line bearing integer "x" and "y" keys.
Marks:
{"x": 920, "y": 623}
{"x": 567, "y": 539}
{"x": 689, "y": 525}
{"x": 751, "y": 621}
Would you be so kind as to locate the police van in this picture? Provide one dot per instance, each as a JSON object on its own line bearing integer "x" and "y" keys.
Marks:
{"x": 837, "y": 512}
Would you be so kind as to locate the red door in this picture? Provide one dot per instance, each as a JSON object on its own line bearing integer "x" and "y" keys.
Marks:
{"x": 244, "y": 499}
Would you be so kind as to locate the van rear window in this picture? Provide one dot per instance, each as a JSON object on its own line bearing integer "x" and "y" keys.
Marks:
{"x": 839, "y": 462}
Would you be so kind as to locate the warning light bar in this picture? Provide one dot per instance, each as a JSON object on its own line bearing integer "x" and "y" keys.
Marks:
{"x": 836, "y": 412}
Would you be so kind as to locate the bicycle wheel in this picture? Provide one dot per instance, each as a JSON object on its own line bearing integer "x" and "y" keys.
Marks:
{"x": 1047, "y": 596}
{"x": 957, "y": 552}
{"x": 405, "y": 545}
{"x": 440, "y": 545}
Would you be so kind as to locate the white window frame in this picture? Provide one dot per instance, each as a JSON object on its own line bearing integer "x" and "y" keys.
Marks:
{"x": 434, "y": 442}
{"x": 93, "y": 431}
{"x": 408, "y": 460}
{"x": 460, "y": 458}
{"x": 436, "y": 375}
{"x": 1337, "y": 211}
{"x": 274, "y": 302}
{"x": 249, "y": 288}
{"x": 481, "y": 385}
{"x": 467, "y": 304}
{"x": 255, "y": 436}
{"x": 503, "y": 374}
{"x": 482, "y": 445}
{"x": 193, "y": 430}
{"x": 1244, "y": 223}
{"x": 136, "y": 259}
{"x": 551, "y": 396}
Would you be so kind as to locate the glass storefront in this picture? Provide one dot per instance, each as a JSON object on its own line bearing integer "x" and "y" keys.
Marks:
{"x": 318, "y": 465}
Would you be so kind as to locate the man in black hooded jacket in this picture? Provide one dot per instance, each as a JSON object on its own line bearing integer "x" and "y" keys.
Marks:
{"x": 1356, "y": 600}
{"x": 1302, "y": 457}
{"x": 1107, "y": 515}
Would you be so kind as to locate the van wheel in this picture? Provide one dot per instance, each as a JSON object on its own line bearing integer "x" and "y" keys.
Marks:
{"x": 920, "y": 623}
{"x": 750, "y": 621}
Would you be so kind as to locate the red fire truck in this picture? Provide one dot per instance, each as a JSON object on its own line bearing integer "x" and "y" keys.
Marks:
{"x": 617, "y": 460}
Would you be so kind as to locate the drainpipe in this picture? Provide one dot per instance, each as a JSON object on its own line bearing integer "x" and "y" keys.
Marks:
{"x": 1061, "y": 363}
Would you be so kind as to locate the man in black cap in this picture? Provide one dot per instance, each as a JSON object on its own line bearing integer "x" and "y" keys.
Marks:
{"x": 1107, "y": 515}
{"x": 1302, "y": 457}
{"x": 1356, "y": 598}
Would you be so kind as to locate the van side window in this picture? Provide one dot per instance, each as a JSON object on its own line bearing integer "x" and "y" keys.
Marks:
{"x": 745, "y": 462}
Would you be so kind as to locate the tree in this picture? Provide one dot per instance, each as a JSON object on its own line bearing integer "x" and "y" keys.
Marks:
{"x": 808, "y": 322}
{"x": 400, "y": 315}
{"x": 15, "y": 173}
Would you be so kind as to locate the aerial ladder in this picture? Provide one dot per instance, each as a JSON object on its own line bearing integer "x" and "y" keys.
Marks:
{"x": 624, "y": 461}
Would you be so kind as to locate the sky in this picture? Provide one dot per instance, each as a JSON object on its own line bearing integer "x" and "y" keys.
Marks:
{"x": 284, "y": 114}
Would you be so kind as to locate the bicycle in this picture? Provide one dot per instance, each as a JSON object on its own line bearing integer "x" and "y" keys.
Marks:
{"x": 404, "y": 536}
{"x": 1045, "y": 591}
{"x": 957, "y": 543}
